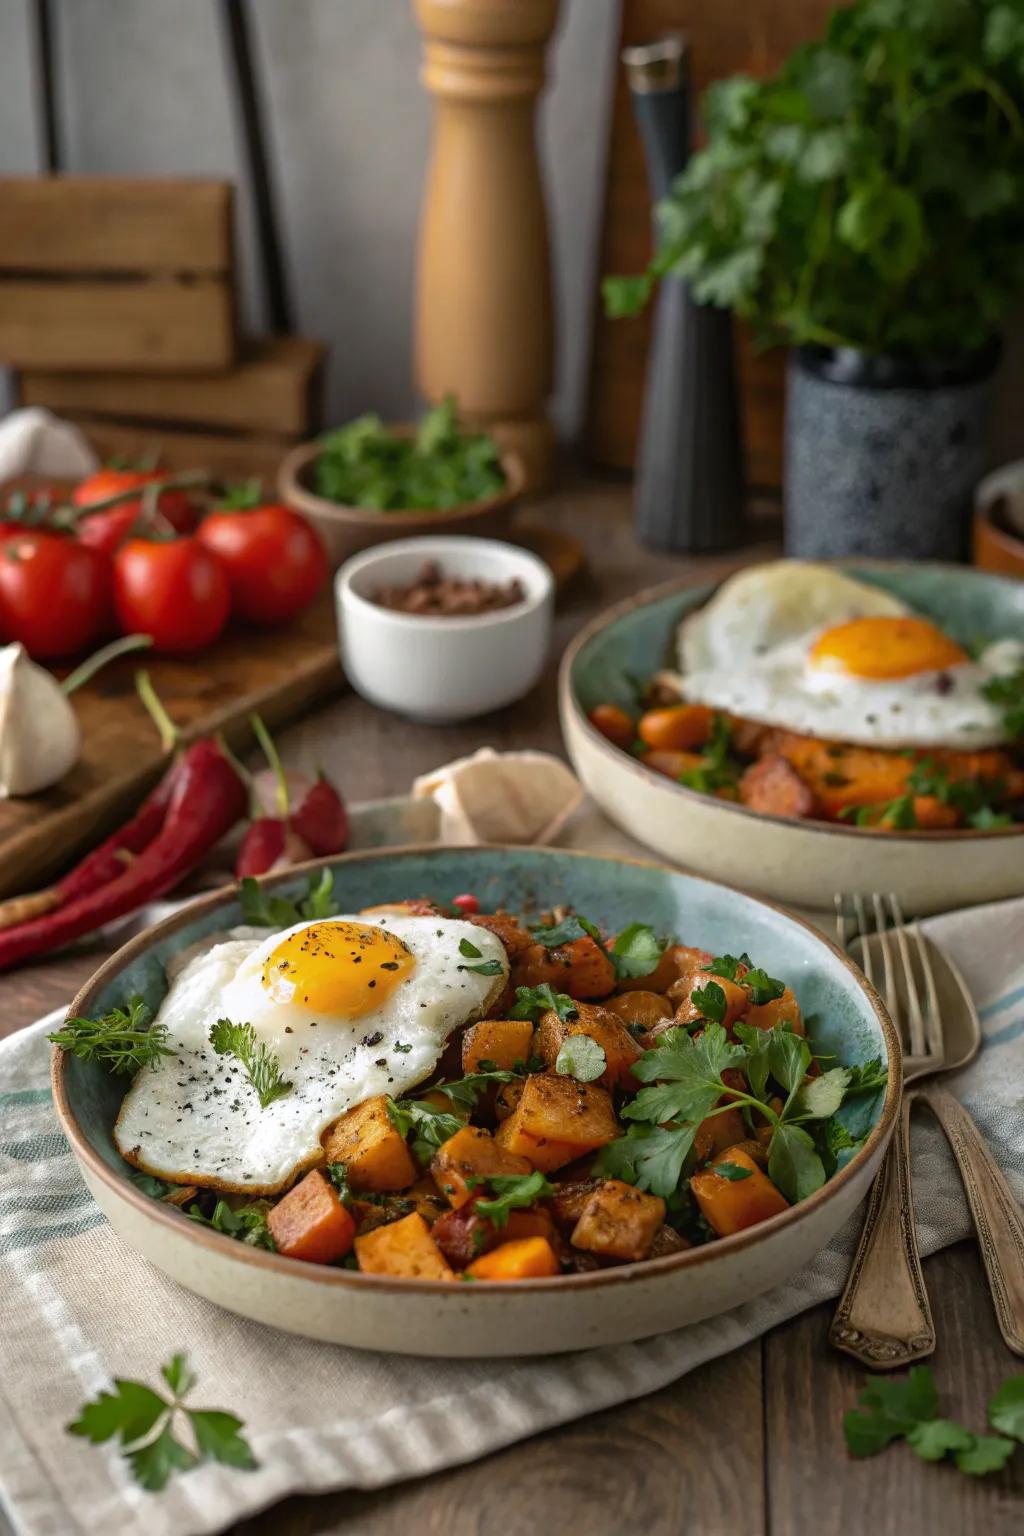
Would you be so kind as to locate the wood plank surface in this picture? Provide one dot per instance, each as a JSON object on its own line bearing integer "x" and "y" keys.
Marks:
{"x": 750, "y": 1443}
{"x": 272, "y": 388}
{"x": 162, "y": 324}
{"x": 89, "y": 224}
{"x": 227, "y": 456}
{"x": 724, "y": 40}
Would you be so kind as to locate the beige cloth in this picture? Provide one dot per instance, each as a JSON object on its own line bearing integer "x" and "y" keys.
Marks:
{"x": 80, "y": 1307}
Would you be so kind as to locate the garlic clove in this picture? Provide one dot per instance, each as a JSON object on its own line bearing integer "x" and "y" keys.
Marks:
{"x": 40, "y": 738}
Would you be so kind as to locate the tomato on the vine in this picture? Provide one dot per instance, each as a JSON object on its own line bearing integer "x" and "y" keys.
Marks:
{"x": 108, "y": 530}
{"x": 275, "y": 560}
{"x": 174, "y": 590}
{"x": 54, "y": 593}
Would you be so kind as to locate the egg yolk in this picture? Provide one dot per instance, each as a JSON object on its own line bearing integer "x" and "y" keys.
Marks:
{"x": 340, "y": 969}
{"x": 883, "y": 647}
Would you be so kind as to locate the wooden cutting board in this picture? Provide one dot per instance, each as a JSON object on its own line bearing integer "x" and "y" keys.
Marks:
{"x": 727, "y": 37}
{"x": 279, "y": 673}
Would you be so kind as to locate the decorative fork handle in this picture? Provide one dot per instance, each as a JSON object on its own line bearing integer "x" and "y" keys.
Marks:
{"x": 998, "y": 1219}
{"x": 884, "y": 1319}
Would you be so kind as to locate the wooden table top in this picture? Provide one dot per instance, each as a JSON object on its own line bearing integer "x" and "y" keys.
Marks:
{"x": 751, "y": 1442}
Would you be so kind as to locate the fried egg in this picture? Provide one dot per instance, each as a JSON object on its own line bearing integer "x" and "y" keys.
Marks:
{"x": 350, "y": 1007}
{"x": 808, "y": 649}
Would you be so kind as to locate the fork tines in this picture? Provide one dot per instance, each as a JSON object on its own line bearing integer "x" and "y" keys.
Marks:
{"x": 907, "y": 979}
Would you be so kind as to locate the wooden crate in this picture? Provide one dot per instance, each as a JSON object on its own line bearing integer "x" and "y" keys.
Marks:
{"x": 102, "y": 273}
{"x": 274, "y": 387}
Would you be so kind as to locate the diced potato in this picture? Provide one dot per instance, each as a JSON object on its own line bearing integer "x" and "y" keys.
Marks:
{"x": 503, "y": 1042}
{"x": 732, "y": 1205}
{"x": 783, "y": 1010}
{"x": 640, "y": 1010}
{"x": 373, "y": 1151}
{"x": 566, "y": 1206}
{"x": 676, "y": 961}
{"x": 557, "y": 1119}
{"x": 620, "y": 1049}
{"x": 506, "y": 1098}
{"x": 582, "y": 969}
{"x": 505, "y": 927}
{"x": 472, "y": 1153}
{"x": 722, "y": 1130}
{"x": 667, "y": 1240}
{"x": 310, "y": 1222}
{"x": 618, "y": 1221}
{"x": 404, "y": 1249}
{"x": 737, "y": 998}
{"x": 528, "y": 1258}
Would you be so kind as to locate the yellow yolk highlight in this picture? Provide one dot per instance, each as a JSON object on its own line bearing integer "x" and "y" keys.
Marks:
{"x": 884, "y": 648}
{"x": 339, "y": 969}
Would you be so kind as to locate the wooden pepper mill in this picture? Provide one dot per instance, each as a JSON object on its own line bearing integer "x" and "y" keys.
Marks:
{"x": 484, "y": 328}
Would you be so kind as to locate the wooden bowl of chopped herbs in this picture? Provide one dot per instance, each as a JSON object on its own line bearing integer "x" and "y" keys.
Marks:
{"x": 366, "y": 483}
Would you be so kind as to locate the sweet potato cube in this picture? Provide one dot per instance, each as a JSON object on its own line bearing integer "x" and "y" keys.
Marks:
{"x": 503, "y": 1042}
{"x": 403, "y": 1249}
{"x": 720, "y": 1131}
{"x": 784, "y": 1010}
{"x": 731, "y": 1205}
{"x": 374, "y": 1152}
{"x": 618, "y": 1221}
{"x": 557, "y": 1119}
{"x": 311, "y": 1223}
{"x": 527, "y": 1258}
{"x": 471, "y": 1153}
{"x": 620, "y": 1049}
{"x": 581, "y": 968}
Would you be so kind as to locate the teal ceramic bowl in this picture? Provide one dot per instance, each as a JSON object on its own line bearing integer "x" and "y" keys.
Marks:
{"x": 525, "y": 1317}
{"x": 802, "y": 862}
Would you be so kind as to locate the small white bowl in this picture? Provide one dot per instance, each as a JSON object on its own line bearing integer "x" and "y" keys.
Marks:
{"x": 443, "y": 669}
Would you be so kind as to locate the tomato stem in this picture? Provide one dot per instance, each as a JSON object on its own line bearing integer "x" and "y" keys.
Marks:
{"x": 273, "y": 757}
{"x": 92, "y": 664}
{"x": 190, "y": 480}
{"x": 169, "y": 733}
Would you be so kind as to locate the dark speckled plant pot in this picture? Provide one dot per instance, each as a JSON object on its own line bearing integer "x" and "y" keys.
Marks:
{"x": 882, "y": 459}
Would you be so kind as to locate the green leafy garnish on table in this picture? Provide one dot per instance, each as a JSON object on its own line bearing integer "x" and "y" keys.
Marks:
{"x": 123, "y": 1039}
{"x": 907, "y": 1408}
{"x": 257, "y": 1060}
{"x": 262, "y": 909}
{"x": 511, "y": 1192}
{"x": 366, "y": 464}
{"x": 148, "y": 1425}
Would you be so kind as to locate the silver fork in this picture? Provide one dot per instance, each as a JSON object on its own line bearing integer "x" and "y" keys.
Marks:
{"x": 884, "y": 1318}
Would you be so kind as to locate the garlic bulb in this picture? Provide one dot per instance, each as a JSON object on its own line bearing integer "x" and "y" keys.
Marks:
{"x": 40, "y": 739}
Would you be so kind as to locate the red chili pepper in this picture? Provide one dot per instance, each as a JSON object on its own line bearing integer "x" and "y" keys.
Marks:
{"x": 112, "y": 857}
{"x": 467, "y": 904}
{"x": 206, "y": 798}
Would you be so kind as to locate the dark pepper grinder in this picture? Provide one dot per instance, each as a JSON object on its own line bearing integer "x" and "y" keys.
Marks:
{"x": 689, "y": 488}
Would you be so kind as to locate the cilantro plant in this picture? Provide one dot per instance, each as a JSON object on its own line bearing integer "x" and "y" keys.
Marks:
{"x": 148, "y": 1424}
{"x": 365, "y": 464}
{"x": 907, "y": 1408}
{"x": 870, "y": 195}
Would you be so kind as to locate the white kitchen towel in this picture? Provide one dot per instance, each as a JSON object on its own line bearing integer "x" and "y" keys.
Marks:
{"x": 80, "y": 1308}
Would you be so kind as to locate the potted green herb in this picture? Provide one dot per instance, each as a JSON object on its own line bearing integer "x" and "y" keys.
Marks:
{"x": 866, "y": 208}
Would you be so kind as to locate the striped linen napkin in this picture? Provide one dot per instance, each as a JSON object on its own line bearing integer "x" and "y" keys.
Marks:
{"x": 80, "y": 1308}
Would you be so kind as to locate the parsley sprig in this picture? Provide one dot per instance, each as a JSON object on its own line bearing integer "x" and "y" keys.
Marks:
{"x": 262, "y": 909}
{"x": 531, "y": 1002}
{"x": 582, "y": 1058}
{"x": 469, "y": 951}
{"x": 247, "y": 1223}
{"x": 907, "y": 1408}
{"x": 146, "y": 1422}
{"x": 717, "y": 769}
{"x": 431, "y": 1126}
{"x": 123, "y": 1039}
{"x": 511, "y": 1192}
{"x": 258, "y": 1061}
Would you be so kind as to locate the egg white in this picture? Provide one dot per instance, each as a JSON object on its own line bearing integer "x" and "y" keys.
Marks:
{"x": 195, "y": 1117}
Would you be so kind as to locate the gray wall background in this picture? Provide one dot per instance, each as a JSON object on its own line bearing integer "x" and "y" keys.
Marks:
{"x": 140, "y": 87}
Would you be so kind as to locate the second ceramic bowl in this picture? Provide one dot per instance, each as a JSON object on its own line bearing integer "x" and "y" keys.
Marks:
{"x": 443, "y": 669}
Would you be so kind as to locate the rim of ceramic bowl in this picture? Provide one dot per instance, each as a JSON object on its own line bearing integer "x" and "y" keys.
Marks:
{"x": 342, "y": 1279}
{"x": 292, "y": 487}
{"x": 570, "y": 705}
{"x": 432, "y": 545}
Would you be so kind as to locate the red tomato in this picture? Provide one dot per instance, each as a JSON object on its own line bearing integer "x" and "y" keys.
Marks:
{"x": 106, "y": 531}
{"x": 174, "y": 590}
{"x": 54, "y": 594}
{"x": 276, "y": 562}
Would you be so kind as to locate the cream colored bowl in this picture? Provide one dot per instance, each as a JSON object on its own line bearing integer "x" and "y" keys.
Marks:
{"x": 530, "y": 1317}
{"x": 801, "y": 862}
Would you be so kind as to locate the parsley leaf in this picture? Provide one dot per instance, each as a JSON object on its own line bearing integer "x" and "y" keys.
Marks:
{"x": 650, "y": 1156}
{"x": 1009, "y": 693}
{"x": 1006, "y": 1409}
{"x": 512, "y": 1192}
{"x": 247, "y": 1223}
{"x": 727, "y": 965}
{"x": 793, "y": 1162}
{"x": 636, "y": 951}
{"x": 867, "y": 1076}
{"x": 431, "y": 1127}
{"x": 566, "y": 932}
{"x": 734, "y": 1172}
{"x": 687, "y": 1076}
{"x": 258, "y": 1061}
{"x": 262, "y": 909}
{"x": 531, "y": 1002}
{"x": 819, "y": 1097}
{"x": 124, "y": 1039}
{"x": 582, "y": 1058}
{"x": 485, "y": 968}
{"x": 717, "y": 770}
{"x": 710, "y": 1002}
{"x": 986, "y": 1453}
{"x": 469, "y": 951}
{"x": 144, "y": 1421}
{"x": 908, "y": 1408}
{"x": 762, "y": 987}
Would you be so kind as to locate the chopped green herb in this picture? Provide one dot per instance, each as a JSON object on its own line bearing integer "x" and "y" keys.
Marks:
{"x": 1009, "y": 693}
{"x": 566, "y": 932}
{"x": 636, "y": 951}
{"x": 734, "y": 1172}
{"x": 717, "y": 770}
{"x": 258, "y": 1061}
{"x": 485, "y": 968}
{"x": 531, "y": 1002}
{"x": 512, "y": 1192}
{"x": 582, "y": 1058}
{"x": 261, "y": 909}
{"x": 247, "y": 1223}
{"x": 710, "y": 1002}
{"x": 123, "y": 1039}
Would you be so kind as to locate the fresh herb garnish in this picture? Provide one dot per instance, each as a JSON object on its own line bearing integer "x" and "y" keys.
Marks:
{"x": 710, "y": 1002}
{"x": 734, "y": 1172}
{"x": 582, "y": 1058}
{"x": 512, "y": 1192}
{"x": 717, "y": 770}
{"x": 485, "y": 968}
{"x": 1008, "y": 692}
{"x": 636, "y": 951}
{"x": 762, "y": 987}
{"x": 247, "y": 1223}
{"x": 531, "y": 1002}
{"x": 123, "y": 1039}
{"x": 145, "y": 1421}
{"x": 429, "y": 1126}
{"x": 867, "y": 1077}
{"x": 261, "y": 909}
{"x": 258, "y": 1061}
{"x": 566, "y": 932}
{"x": 907, "y": 1408}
